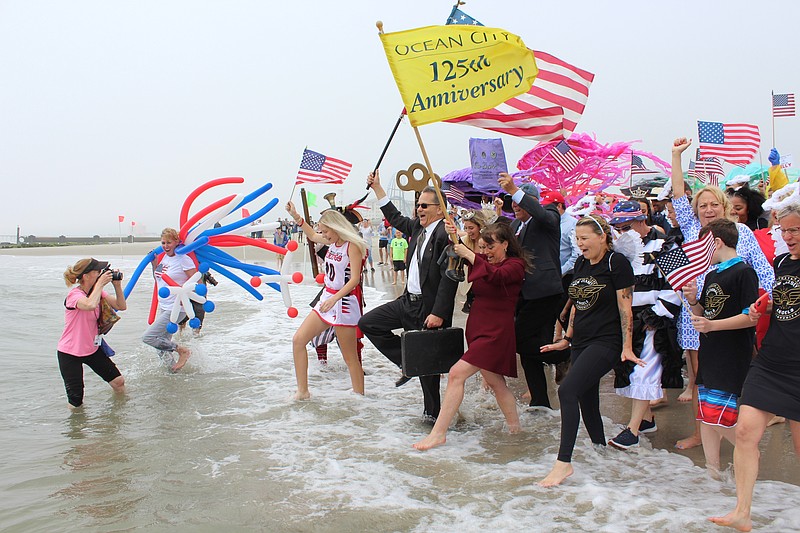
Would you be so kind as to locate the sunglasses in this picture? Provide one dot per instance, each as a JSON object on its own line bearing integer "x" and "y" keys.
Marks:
{"x": 469, "y": 215}
{"x": 425, "y": 206}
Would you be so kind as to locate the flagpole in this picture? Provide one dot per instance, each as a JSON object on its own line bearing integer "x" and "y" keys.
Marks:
{"x": 391, "y": 137}
{"x": 772, "y": 110}
{"x": 311, "y": 251}
{"x": 295, "y": 179}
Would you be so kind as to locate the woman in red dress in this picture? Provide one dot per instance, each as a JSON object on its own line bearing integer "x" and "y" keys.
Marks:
{"x": 496, "y": 281}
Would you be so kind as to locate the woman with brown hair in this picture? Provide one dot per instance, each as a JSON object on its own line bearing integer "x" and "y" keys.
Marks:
{"x": 496, "y": 280}
{"x": 599, "y": 332}
{"x": 80, "y": 343}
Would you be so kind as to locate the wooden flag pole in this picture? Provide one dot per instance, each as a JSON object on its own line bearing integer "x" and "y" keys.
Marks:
{"x": 307, "y": 218}
{"x": 439, "y": 195}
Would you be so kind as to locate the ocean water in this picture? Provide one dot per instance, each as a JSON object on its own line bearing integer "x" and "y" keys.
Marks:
{"x": 221, "y": 445}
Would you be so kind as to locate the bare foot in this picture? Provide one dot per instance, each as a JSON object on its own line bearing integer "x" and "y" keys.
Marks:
{"x": 301, "y": 396}
{"x": 431, "y": 441}
{"x": 659, "y": 403}
{"x": 557, "y": 475}
{"x": 183, "y": 356}
{"x": 526, "y": 397}
{"x": 776, "y": 420}
{"x": 689, "y": 442}
{"x": 514, "y": 428}
{"x": 734, "y": 520}
{"x": 686, "y": 396}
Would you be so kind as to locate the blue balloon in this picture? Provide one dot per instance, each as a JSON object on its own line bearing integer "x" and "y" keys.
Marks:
{"x": 163, "y": 292}
{"x": 139, "y": 269}
{"x": 172, "y": 327}
{"x": 203, "y": 267}
{"x": 194, "y": 323}
{"x": 209, "y": 306}
{"x": 201, "y": 289}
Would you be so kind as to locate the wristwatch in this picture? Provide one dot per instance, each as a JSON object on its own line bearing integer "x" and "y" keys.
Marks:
{"x": 568, "y": 339}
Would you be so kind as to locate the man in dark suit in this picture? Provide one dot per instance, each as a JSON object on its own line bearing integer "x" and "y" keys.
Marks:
{"x": 538, "y": 229}
{"x": 429, "y": 297}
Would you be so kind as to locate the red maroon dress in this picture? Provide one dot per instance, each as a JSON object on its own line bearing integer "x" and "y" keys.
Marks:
{"x": 490, "y": 326}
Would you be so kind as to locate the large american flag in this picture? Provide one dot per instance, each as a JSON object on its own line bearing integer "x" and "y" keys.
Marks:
{"x": 681, "y": 265}
{"x": 550, "y": 110}
{"x": 735, "y": 143}
{"x": 317, "y": 168}
{"x": 565, "y": 156}
{"x": 783, "y": 105}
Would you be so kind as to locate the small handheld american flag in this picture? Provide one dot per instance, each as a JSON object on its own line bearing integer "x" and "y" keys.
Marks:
{"x": 681, "y": 265}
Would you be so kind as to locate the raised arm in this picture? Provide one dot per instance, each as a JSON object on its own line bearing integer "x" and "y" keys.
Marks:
{"x": 312, "y": 235}
{"x": 678, "y": 147}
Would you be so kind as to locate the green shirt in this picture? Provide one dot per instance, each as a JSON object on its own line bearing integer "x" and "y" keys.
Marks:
{"x": 399, "y": 247}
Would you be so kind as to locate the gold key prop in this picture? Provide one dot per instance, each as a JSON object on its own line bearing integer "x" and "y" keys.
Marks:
{"x": 407, "y": 180}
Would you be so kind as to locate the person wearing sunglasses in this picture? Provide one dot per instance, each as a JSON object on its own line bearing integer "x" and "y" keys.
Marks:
{"x": 80, "y": 343}
{"x": 429, "y": 296}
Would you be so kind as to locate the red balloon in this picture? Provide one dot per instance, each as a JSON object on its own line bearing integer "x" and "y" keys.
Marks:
{"x": 320, "y": 278}
{"x": 292, "y": 312}
{"x": 291, "y": 246}
{"x": 297, "y": 277}
{"x": 255, "y": 281}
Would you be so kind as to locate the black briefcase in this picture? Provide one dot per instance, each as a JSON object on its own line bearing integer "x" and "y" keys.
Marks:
{"x": 431, "y": 351}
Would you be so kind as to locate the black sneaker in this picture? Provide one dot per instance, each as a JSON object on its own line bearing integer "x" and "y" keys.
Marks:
{"x": 402, "y": 381}
{"x": 648, "y": 426}
{"x": 624, "y": 440}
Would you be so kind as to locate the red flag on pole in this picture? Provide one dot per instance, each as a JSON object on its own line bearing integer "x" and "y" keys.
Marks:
{"x": 133, "y": 223}
{"x": 121, "y": 218}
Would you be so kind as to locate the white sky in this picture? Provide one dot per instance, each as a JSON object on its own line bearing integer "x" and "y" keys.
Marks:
{"x": 114, "y": 108}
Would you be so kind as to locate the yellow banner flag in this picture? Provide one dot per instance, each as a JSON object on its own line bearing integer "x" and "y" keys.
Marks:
{"x": 450, "y": 71}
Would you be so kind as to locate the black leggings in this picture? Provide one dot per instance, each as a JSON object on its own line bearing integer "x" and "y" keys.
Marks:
{"x": 579, "y": 394}
{"x": 71, "y": 368}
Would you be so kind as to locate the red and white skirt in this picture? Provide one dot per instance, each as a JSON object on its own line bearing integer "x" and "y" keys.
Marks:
{"x": 345, "y": 312}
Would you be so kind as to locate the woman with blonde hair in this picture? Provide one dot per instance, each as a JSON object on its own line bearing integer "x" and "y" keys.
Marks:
{"x": 80, "y": 343}
{"x": 710, "y": 203}
{"x": 473, "y": 221}
{"x": 339, "y": 305}
{"x": 179, "y": 267}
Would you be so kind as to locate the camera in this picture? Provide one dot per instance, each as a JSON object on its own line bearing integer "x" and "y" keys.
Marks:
{"x": 116, "y": 275}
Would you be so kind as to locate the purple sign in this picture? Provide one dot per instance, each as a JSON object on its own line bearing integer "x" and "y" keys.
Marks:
{"x": 488, "y": 160}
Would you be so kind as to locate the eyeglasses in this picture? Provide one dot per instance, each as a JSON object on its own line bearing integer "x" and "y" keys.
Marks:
{"x": 794, "y": 232}
{"x": 424, "y": 206}
{"x": 623, "y": 228}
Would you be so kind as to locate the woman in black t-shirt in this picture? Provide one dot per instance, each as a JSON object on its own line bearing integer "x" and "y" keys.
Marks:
{"x": 599, "y": 332}
{"x": 772, "y": 386}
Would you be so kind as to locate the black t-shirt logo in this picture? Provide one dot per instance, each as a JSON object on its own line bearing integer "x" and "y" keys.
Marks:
{"x": 584, "y": 292}
{"x": 715, "y": 301}
{"x": 786, "y": 297}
